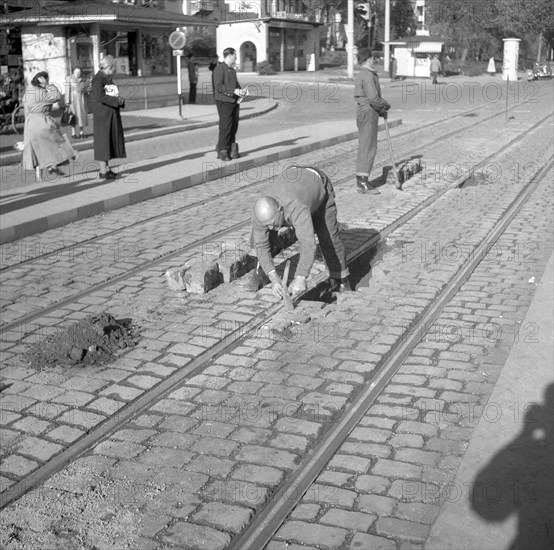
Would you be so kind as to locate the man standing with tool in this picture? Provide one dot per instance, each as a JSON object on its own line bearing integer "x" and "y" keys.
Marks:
{"x": 303, "y": 198}
{"x": 367, "y": 93}
{"x": 227, "y": 94}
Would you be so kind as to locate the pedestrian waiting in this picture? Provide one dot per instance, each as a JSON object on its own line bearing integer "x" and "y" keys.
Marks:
{"x": 227, "y": 94}
{"x": 303, "y": 198}
{"x": 436, "y": 68}
{"x": 371, "y": 106}
{"x": 192, "y": 67}
{"x": 44, "y": 144}
{"x": 109, "y": 142}
{"x": 77, "y": 86}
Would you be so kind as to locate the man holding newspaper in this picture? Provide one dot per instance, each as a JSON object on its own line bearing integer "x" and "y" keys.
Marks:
{"x": 228, "y": 95}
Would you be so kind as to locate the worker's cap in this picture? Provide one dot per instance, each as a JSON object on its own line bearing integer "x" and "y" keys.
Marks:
{"x": 266, "y": 209}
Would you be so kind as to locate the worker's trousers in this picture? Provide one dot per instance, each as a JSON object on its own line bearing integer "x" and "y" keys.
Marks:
{"x": 367, "y": 120}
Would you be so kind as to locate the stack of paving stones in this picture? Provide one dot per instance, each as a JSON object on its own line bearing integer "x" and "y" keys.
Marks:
{"x": 241, "y": 425}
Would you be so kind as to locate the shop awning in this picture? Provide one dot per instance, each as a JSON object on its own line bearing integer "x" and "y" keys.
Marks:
{"x": 419, "y": 44}
{"x": 98, "y": 11}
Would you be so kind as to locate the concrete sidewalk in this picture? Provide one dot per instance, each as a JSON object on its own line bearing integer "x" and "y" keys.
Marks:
{"x": 502, "y": 496}
{"x": 149, "y": 123}
{"x": 31, "y": 209}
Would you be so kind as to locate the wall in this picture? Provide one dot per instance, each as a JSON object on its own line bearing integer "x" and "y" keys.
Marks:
{"x": 232, "y": 36}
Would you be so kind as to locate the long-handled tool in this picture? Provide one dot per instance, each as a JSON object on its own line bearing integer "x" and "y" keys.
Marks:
{"x": 398, "y": 185}
{"x": 289, "y": 306}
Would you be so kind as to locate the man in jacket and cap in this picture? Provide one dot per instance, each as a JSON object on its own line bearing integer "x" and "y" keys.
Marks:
{"x": 303, "y": 198}
{"x": 227, "y": 94}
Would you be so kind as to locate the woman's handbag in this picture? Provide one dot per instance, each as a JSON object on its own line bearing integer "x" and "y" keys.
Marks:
{"x": 68, "y": 118}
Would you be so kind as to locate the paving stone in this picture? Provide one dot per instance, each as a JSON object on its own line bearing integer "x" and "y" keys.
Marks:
{"x": 65, "y": 434}
{"x": 305, "y": 512}
{"x": 329, "y": 495}
{"x": 32, "y": 425}
{"x": 406, "y": 440}
{"x": 223, "y": 516}
{"x": 236, "y": 491}
{"x": 215, "y": 446}
{"x": 369, "y": 434}
{"x": 417, "y": 511}
{"x": 330, "y": 477}
{"x": 291, "y": 442}
{"x": 173, "y": 458}
{"x": 118, "y": 450}
{"x": 415, "y": 491}
{"x": 402, "y": 529}
{"x": 214, "y": 429}
{"x": 298, "y": 426}
{"x": 350, "y": 520}
{"x": 363, "y": 541}
{"x": 39, "y": 448}
{"x": 132, "y": 435}
{"x": 106, "y": 406}
{"x": 372, "y": 484}
{"x": 195, "y": 537}
{"x": 417, "y": 456}
{"x": 176, "y": 423}
{"x": 376, "y": 504}
{"x": 143, "y": 381}
{"x": 173, "y": 406}
{"x": 350, "y": 463}
{"x": 17, "y": 465}
{"x": 133, "y": 471}
{"x": 216, "y": 467}
{"x": 174, "y": 440}
{"x": 395, "y": 469}
{"x": 125, "y": 393}
{"x": 262, "y": 475}
{"x": 267, "y": 456}
{"x": 446, "y": 446}
{"x": 304, "y": 533}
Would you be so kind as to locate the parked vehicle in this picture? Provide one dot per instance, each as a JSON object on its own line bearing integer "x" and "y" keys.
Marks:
{"x": 539, "y": 70}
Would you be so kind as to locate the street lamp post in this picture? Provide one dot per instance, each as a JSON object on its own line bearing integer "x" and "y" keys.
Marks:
{"x": 350, "y": 40}
{"x": 386, "y": 57}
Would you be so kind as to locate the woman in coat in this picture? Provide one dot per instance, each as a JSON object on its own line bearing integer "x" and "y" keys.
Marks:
{"x": 44, "y": 143}
{"x": 77, "y": 103}
{"x": 109, "y": 142}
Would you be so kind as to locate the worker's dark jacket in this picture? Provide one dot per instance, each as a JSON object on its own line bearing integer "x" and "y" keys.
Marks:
{"x": 301, "y": 192}
{"x": 225, "y": 83}
{"x": 367, "y": 90}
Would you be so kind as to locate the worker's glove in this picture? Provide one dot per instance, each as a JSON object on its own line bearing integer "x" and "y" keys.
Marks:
{"x": 384, "y": 114}
{"x": 276, "y": 284}
{"x": 298, "y": 285}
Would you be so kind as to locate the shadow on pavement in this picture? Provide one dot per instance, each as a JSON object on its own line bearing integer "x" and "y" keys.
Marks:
{"x": 519, "y": 478}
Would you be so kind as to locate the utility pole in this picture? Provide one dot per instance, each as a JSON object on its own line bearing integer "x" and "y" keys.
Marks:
{"x": 386, "y": 58}
{"x": 350, "y": 40}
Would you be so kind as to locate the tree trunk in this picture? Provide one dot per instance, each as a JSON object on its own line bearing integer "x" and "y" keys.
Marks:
{"x": 539, "y": 49}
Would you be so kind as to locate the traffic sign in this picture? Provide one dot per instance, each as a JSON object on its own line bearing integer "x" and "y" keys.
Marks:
{"x": 177, "y": 40}
{"x": 178, "y": 52}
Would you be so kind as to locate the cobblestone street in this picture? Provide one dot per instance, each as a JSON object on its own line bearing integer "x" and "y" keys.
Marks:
{"x": 188, "y": 439}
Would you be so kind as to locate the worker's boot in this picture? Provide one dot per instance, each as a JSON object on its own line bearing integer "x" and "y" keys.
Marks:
{"x": 364, "y": 187}
{"x": 223, "y": 155}
{"x": 235, "y": 151}
{"x": 340, "y": 285}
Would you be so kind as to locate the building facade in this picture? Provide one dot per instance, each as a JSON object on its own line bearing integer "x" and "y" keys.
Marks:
{"x": 286, "y": 34}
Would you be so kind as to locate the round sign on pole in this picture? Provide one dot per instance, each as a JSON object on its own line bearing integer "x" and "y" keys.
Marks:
{"x": 177, "y": 40}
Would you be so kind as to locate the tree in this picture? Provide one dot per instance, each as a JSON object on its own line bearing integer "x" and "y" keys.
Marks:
{"x": 531, "y": 20}
{"x": 470, "y": 24}
{"x": 402, "y": 19}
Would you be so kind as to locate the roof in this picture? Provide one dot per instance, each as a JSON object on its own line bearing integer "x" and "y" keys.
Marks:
{"x": 420, "y": 44}
{"x": 101, "y": 11}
